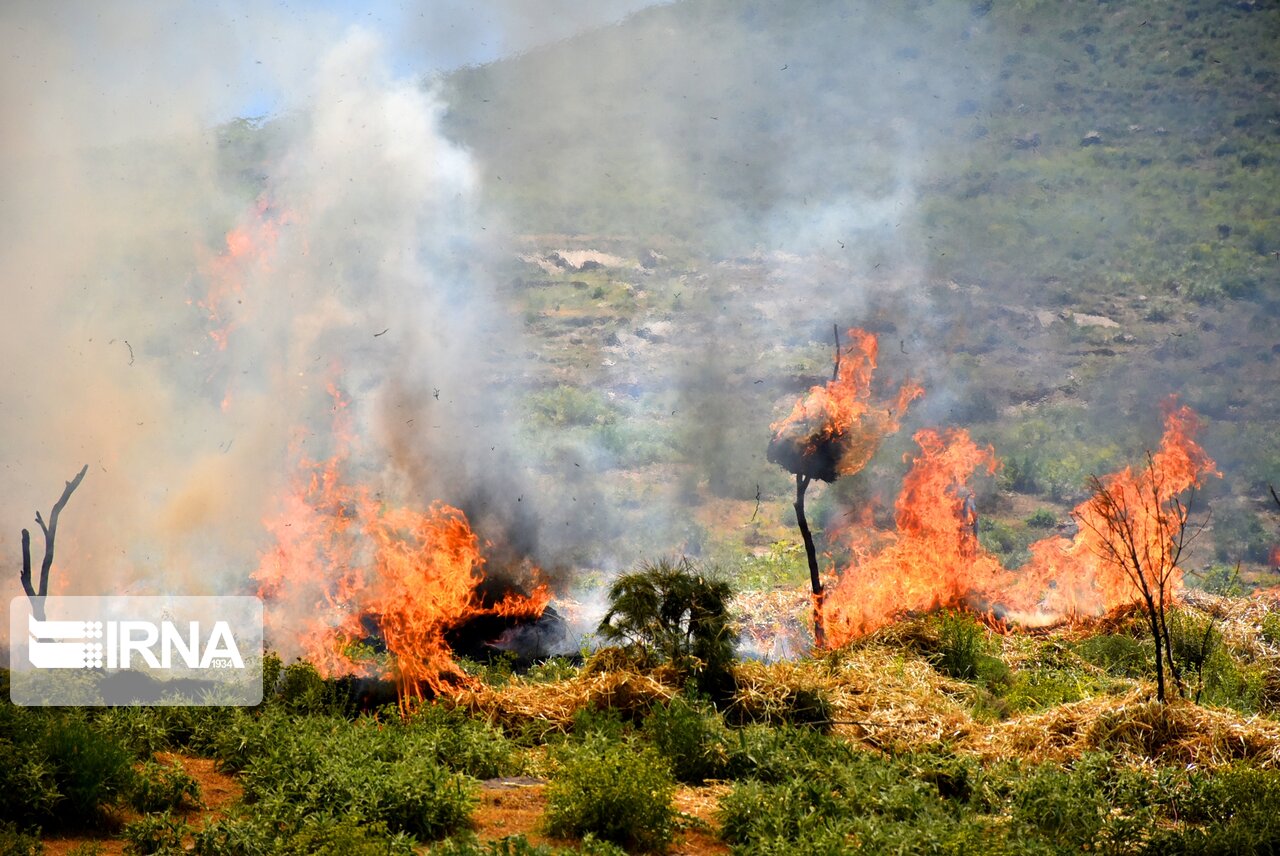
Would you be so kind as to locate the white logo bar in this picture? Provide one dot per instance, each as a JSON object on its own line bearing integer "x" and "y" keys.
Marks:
{"x": 136, "y": 650}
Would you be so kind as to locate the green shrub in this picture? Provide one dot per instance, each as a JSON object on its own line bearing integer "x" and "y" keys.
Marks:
{"x": 15, "y": 842}
{"x": 871, "y": 803}
{"x": 568, "y": 405}
{"x": 1222, "y": 580}
{"x": 962, "y": 650}
{"x": 773, "y": 755}
{"x": 1120, "y": 655}
{"x": 320, "y": 836}
{"x": 1043, "y": 518}
{"x": 1231, "y": 811}
{"x": 89, "y": 770}
{"x": 318, "y": 767}
{"x": 618, "y": 791}
{"x": 157, "y": 787}
{"x": 692, "y": 737}
{"x": 468, "y": 844}
{"x": 1238, "y": 535}
{"x": 156, "y": 835}
{"x": 301, "y": 690}
{"x": 458, "y": 742}
{"x": 674, "y": 613}
{"x": 1270, "y": 629}
{"x": 1038, "y": 689}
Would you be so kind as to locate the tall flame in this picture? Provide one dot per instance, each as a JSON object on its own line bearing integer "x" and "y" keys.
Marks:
{"x": 1082, "y": 576}
{"x": 933, "y": 559}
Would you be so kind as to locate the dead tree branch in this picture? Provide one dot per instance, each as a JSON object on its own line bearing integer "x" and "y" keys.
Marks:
{"x": 50, "y": 531}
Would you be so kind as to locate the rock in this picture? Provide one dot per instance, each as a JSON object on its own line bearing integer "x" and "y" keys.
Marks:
{"x": 650, "y": 259}
{"x": 1093, "y": 138}
{"x": 1027, "y": 141}
{"x": 1083, "y": 320}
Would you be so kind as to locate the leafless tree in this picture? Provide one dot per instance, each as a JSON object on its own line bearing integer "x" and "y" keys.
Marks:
{"x": 36, "y": 594}
{"x": 1142, "y": 527}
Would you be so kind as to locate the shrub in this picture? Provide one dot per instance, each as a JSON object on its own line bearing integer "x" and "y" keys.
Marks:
{"x": 879, "y": 804}
{"x": 1120, "y": 655}
{"x": 1238, "y": 535}
{"x": 458, "y": 742}
{"x": 469, "y": 844}
{"x": 89, "y": 771}
{"x": 691, "y": 737}
{"x": 327, "y": 767}
{"x": 15, "y": 842}
{"x": 1231, "y": 811}
{"x": 1222, "y": 580}
{"x": 775, "y": 754}
{"x": 962, "y": 651}
{"x": 676, "y": 614}
{"x": 1270, "y": 629}
{"x": 568, "y": 405}
{"x": 617, "y": 791}
{"x": 1043, "y": 518}
{"x": 157, "y": 787}
{"x": 156, "y": 835}
{"x": 320, "y": 836}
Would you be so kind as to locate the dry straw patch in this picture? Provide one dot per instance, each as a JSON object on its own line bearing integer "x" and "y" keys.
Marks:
{"x": 519, "y": 702}
{"x": 1136, "y": 728}
{"x": 878, "y": 696}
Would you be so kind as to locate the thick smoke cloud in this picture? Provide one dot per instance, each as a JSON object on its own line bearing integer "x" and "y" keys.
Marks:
{"x": 357, "y": 251}
{"x": 177, "y": 323}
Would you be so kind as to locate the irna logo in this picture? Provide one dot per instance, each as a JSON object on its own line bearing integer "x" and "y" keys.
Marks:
{"x": 117, "y": 650}
{"x": 114, "y": 644}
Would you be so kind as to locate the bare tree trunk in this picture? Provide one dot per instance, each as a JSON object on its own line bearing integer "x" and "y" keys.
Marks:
{"x": 1159, "y": 640}
{"x": 811, "y": 553}
{"x": 50, "y": 533}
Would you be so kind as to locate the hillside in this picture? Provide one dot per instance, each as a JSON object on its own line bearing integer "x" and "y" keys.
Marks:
{"x": 1054, "y": 214}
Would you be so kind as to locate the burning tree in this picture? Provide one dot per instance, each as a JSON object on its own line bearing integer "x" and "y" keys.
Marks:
{"x": 1139, "y": 525}
{"x": 36, "y": 594}
{"x": 833, "y": 431}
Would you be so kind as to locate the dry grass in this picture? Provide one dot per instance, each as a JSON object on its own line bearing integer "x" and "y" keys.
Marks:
{"x": 1137, "y": 728}
{"x": 518, "y": 703}
{"x": 883, "y": 693}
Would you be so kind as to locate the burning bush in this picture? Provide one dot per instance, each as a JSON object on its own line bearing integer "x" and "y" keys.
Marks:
{"x": 346, "y": 568}
{"x": 833, "y": 431}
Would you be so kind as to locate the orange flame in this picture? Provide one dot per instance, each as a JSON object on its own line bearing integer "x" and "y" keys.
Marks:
{"x": 343, "y": 561}
{"x": 249, "y": 248}
{"x": 838, "y": 420}
{"x": 933, "y": 560}
{"x": 1081, "y": 576}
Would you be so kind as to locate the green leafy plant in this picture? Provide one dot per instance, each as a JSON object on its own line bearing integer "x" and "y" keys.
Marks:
{"x": 617, "y": 790}
{"x": 673, "y": 613}
{"x": 692, "y": 737}
{"x": 159, "y": 834}
{"x": 159, "y": 787}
